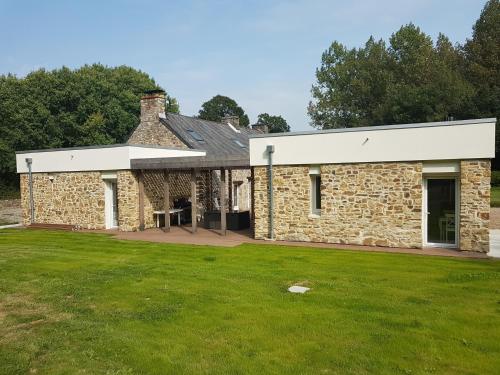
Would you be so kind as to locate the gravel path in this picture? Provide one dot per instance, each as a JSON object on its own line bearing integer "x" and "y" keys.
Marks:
{"x": 495, "y": 218}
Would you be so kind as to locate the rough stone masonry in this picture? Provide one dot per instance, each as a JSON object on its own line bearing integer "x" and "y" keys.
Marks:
{"x": 376, "y": 204}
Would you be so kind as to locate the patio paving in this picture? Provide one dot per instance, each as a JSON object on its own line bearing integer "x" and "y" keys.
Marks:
{"x": 183, "y": 235}
{"x": 494, "y": 243}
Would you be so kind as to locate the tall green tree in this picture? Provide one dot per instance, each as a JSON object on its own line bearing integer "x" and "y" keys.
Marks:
{"x": 482, "y": 67}
{"x": 94, "y": 104}
{"x": 275, "y": 124}
{"x": 410, "y": 80}
{"x": 482, "y": 54}
{"x": 219, "y": 106}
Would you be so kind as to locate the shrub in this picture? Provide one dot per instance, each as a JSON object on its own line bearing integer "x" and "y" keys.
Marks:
{"x": 495, "y": 178}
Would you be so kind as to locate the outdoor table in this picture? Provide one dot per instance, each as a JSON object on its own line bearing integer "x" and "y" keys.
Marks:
{"x": 172, "y": 211}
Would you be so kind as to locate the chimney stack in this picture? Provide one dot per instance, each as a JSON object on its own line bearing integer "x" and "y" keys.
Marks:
{"x": 152, "y": 105}
{"x": 260, "y": 128}
{"x": 233, "y": 120}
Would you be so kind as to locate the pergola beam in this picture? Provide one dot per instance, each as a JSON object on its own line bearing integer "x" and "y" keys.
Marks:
{"x": 141, "y": 200}
{"x": 230, "y": 190}
{"x": 194, "y": 204}
{"x": 166, "y": 200}
{"x": 222, "y": 191}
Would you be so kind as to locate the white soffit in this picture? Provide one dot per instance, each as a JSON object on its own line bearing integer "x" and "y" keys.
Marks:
{"x": 99, "y": 158}
{"x": 453, "y": 140}
{"x": 109, "y": 175}
{"x": 314, "y": 170}
{"x": 441, "y": 167}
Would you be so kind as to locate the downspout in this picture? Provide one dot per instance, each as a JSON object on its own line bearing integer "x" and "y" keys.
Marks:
{"x": 29, "y": 161}
{"x": 270, "y": 151}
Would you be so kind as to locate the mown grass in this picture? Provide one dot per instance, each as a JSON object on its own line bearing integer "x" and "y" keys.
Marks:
{"x": 86, "y": 303}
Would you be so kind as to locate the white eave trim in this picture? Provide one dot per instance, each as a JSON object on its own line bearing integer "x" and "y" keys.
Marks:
{"x": 453, "y": 140}
{"x": 98, "y": 158}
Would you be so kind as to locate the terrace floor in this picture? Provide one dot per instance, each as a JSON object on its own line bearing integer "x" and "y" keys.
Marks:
{"x": 183, "y": 235}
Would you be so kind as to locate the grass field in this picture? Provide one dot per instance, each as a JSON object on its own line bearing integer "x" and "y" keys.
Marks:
{"x": 85, "y": 303}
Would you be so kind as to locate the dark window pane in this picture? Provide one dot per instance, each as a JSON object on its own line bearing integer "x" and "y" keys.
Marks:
{"x": 441, "y": 211}
{"x": 318, "y": 192}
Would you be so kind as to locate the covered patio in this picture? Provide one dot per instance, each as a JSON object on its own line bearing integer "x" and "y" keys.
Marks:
{"x": 204, "y": 184}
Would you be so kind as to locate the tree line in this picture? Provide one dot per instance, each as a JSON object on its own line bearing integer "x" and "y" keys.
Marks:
{"x": 91, "y": 105}
{"x": 411, "y": 78}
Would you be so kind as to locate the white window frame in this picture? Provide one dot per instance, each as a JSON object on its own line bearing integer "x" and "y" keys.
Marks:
{"x": 438, "y": 176}
{"x": 235, "y": 197}
{"x": 315, "y": 174}
{"x": 110, "y": 219}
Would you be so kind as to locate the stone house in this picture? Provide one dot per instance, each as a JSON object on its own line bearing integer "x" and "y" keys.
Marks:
{"x": 410, "y": 186}
{"x": 98, "y": 188}
{"x": 413, "y": 185}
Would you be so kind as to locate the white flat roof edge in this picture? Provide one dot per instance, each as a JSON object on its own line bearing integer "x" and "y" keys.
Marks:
{"x": 378, "y": 127}
{"x": 107, "y": 146}
{"x": 405, "y": 160}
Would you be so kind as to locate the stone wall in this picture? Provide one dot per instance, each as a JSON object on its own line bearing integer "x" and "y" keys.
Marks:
{"x": 75, "y": 198}
{"x": 127, "y": 186}
{"x": 475, "y": 179}
{"x": 364, "y": 204}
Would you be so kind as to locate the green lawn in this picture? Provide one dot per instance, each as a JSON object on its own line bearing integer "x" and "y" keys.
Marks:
{"x": 495, "y": 196}
{"x": 85, "y": 303}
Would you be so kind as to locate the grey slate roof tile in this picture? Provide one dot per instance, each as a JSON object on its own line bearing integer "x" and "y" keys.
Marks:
{"x": 218, "y": 138}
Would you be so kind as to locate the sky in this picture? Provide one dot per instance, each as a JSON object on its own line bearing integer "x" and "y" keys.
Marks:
{"x": 263, "y": 54}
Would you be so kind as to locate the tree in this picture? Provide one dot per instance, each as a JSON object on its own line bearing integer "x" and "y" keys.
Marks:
{"x": 220, "y": 106}
{"x": 275, "y": 124}
{"x": 94, "y": 104}
{"x": 411, "y": 80}
{"x": 482, "y": 66}
{"x": 483, "y": 60}
{"x": 428, "y": 84}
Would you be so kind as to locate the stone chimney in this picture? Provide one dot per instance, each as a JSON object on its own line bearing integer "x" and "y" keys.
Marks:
{"x": 260, "y": 128}
{"x": 151, "y": 130}
{"x": 152, "y": 105}
{"x": 233, "y": 120}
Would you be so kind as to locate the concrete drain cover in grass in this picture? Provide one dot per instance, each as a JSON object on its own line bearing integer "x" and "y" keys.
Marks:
{"x": 298, "y": 289}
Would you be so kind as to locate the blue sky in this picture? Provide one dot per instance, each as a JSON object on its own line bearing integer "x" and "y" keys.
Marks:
{"x": 263, "y": 54}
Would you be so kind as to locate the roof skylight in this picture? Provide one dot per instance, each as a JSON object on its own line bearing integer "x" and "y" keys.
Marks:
{"x": 239, "y": 143}
{"x": 194, "y": 134}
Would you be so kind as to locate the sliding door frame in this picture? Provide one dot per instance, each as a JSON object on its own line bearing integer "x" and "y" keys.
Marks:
{"x": 425, "y": 213}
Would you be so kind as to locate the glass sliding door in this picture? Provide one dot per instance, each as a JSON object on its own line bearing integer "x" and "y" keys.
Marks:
{"x": 441, "y": 201}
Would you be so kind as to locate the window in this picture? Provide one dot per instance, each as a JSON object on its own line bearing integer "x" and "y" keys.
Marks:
{"x": 236, "y": 188}
{"x": 195, "y": 135}
{"x": 316, "y": 194}
{"x": 239, "y": 143}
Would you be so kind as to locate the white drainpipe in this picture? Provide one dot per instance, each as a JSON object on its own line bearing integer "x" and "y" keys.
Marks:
{"x": 29, "y": 161}
{"x": 270, "y": 151}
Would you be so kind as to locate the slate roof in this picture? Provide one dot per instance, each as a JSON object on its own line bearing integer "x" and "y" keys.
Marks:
{"x": 224, "y": 146}
{"x": 219, "y": 140}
